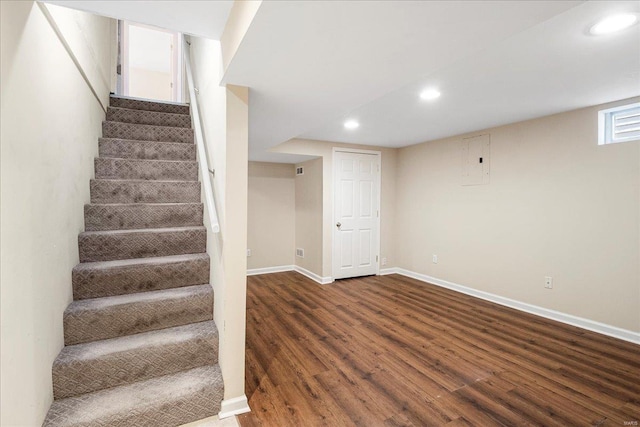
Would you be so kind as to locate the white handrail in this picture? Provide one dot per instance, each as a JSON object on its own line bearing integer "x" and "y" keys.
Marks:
{"x": 203, "y": 161}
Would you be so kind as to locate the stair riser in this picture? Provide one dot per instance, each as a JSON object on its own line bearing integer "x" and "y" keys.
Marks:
{"x": 148, "y": 106}
{"x": 106, "y": 168}
{"x": 146, "y": 132}
{"x": 199, "y": 398}
{"x": 129, "y": 217}
{"x": 128, "y": 319}
{"x": 106, "y": 247}
{"x": 75, "y": 377}
{"x": 142, "y": 117}
{"x": 108, "y": 191}
{"x": 132, "y": 149}
{"x": 106, "y": 282}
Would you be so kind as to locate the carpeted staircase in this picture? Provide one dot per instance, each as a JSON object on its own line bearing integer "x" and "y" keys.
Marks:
{"x": 141, "y": 348}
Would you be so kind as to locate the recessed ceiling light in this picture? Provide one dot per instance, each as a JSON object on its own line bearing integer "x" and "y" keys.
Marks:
{"x": 351, "y": 124}
{"x": 430, "y": 94}
{"x": 613, "y": 23}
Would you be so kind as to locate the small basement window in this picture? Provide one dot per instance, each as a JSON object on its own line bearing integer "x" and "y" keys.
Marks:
{"x": 619, "y": 124}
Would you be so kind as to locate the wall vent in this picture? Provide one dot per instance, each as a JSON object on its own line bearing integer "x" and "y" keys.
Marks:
{"x": 300, "y": 170}
{"x": 300, "y": 252}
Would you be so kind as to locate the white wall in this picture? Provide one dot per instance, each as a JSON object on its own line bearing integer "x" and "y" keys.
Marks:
{"x": 271, "y": 215}
{"x": 150, "y": 84}
{"x": 224, "y": 113}
{"x": 557, "y": 205}
{"x": 238, "y": 23}
{"x": 51, "y": 122}
{"x": 308, "y": 215}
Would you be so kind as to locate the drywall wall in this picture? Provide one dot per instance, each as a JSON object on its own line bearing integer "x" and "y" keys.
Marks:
{"x": 308, "y": 215}
{"x": 557, "y": 204}
{"x": 150, "y": 84}
{"x": 85, "y": 35}
{"x": 51, "y": 122}
{"x": 224, "y": 115}
{"x": 240, "y": 17}
{"x": 271, "y": 215}
{"x": 324, "y": 149}
{"x": 234, "y": 235}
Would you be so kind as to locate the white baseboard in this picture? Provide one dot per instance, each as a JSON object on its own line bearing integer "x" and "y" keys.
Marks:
{"x": 313, "y": 276}
{"x": 235, "y": 406}
{"x": 281, "y": 268}
{"x": 385, "y": 271}
{"x": 267, "y": 270}
{"x": 591, "y": 325}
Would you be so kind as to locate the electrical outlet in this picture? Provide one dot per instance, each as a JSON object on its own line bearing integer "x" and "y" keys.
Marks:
{"x": 248, "y": 252}
{"x": 548, "y": 282}
{"x": 435, "y": 259}
{"x": 384, "y": 261}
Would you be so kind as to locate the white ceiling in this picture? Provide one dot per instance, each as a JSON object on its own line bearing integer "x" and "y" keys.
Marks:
{"x": 311, "y": 65}
{"x": 198, "y": 18}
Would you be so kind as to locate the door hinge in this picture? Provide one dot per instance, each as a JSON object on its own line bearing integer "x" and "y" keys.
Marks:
{"x": 378, "y": 214}
{"x": 376, "y": 258}
{"x": 378, "y": 167}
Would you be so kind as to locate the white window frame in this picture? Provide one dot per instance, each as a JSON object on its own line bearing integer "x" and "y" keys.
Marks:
{"x": 606, "y": 122}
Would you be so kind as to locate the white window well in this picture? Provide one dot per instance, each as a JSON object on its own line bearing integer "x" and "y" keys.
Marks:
{"x": 619, "y": 124}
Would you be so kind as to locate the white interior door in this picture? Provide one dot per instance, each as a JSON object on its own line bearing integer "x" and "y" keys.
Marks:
{"x": 356, "y": 214}
{"x": 151, "y": 62}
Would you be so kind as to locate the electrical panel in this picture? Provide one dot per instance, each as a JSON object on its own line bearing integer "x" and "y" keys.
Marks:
{"x": 476, "y": 160}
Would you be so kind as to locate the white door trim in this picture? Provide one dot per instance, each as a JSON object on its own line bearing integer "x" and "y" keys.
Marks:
{"x": 378, "y": 154}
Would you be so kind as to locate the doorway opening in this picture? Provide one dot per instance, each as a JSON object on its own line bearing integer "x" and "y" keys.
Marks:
{"x": 151, "y": 62}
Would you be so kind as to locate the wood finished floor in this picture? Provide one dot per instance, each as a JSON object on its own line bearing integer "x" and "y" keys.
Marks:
{"x": 392, "y": 351}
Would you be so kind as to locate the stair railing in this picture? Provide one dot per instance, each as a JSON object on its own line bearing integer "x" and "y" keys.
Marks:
{"x": 203, "y": 160}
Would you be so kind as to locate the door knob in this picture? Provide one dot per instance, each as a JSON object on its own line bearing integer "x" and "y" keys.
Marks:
{"x": 338, "y": 224}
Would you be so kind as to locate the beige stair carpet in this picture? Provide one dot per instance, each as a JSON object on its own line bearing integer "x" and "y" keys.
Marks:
{"x": 141, "y": 346}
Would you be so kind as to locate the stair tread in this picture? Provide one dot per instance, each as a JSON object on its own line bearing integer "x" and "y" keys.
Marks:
{"x": 127, "y": 190}
{"x": 149, "y": 169}
{"x": 147, "y": 132}
{"x": 97, "y": 304}
{"x": 131, "y": 216}
{"x": 196, "y": 393}
{"x": 149, "y": 105}
{"x": 126, "y": 159}
{"x": 139, "y": 141}
{"x": 143, "y": 230}
{"x": 97, "y": 349}
{"x": 144, "y": 181}
{"x": 146, "y": 204}
{"x": 138, "y": 261}
{"x": 88, "y": 367}
{"x": 113, "y": 107}
{"x": 137, "y": 116}
{"x": 106, "y": 245}
{"x": 106, "y": 317}
{"x": 145, "y": 150}
{"x": 145, "y": 126}
{"x": 148, "y": 101}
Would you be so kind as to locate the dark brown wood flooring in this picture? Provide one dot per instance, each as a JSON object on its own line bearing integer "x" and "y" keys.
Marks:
{"x": 393, "y": 351}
